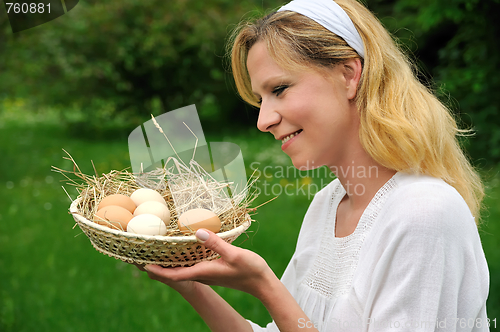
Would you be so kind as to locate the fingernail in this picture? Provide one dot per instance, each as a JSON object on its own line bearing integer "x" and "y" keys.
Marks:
{"x": 146, "y": 267}
{"x": 202, "y": 235}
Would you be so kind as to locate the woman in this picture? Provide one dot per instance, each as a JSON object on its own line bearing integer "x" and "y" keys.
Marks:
{"x": 399, "y": 247}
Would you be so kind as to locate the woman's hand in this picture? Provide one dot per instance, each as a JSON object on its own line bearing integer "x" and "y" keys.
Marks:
{"x": 182, "y": 287}
{"x": 237, "y": 268}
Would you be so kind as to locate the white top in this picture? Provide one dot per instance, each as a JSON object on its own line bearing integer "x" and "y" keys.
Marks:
{"x": 413, "y": 263}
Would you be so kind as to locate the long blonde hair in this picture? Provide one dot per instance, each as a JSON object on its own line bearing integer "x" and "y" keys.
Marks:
{"x": 403, "y": 126}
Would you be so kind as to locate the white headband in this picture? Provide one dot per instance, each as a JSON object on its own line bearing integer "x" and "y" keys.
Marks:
{"x": 331, "y": 16}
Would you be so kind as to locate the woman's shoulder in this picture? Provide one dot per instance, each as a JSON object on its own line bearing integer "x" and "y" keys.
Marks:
{"x": 425, "y": 203}
{"x": 425, "y": 217}
{"x": 413, "y": 191}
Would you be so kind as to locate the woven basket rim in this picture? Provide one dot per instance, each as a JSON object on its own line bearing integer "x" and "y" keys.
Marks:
{"x": 73, "y": 209}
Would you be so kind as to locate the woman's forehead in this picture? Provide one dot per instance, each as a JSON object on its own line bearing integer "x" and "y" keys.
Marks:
{"x": 260, "y": 63}
{"x": 258, "y": 58}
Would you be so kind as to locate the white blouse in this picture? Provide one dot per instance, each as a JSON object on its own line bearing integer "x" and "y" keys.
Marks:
{"x": 413, "y": 263}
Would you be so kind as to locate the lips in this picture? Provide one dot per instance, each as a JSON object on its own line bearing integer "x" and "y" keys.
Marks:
{"x": 289, "y": 139}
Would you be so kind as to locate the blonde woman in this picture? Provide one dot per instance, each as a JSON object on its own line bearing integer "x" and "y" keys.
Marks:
{"x": 399, "y": 246}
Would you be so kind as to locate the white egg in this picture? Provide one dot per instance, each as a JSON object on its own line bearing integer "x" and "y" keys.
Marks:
{"x": 153, "y": 207}
{"x": 144, "y": 194}
{"x": 147, "y": 224}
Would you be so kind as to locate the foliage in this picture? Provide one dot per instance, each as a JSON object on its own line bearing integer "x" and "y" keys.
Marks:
{"x": 456, "y": 44}
{"x": 109, "y": 64}
{"x": 115, "y": 62}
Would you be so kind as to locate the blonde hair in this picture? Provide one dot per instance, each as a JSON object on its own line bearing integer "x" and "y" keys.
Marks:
{"x": 403, "y": 126}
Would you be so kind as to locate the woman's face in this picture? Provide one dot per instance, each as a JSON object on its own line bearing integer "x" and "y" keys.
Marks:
{"x": 312, "y": 114}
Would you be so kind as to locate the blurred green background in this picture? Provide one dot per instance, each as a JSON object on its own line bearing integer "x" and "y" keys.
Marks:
{"x": 83, "y": 81}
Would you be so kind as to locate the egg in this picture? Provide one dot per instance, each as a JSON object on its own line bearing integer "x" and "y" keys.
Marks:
{"x": 144, "y": 195}
{"x": 153, "y": 207}
{"x": 113, "y": 216}
{"x": 147, "y": 224}
{"x": 195, "y": 219}
{"x": 119, "y": 200}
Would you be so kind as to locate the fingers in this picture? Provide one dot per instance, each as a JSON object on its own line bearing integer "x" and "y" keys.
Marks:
{"x": 153, "y": 268}
{"x": 140, "y": 267}
{"x": 159, "y": 273}
{"x": 215, "y": 243}
{"x": 193, "y": 273}
{"x": 153, "y": 271}
{"x": 202, "y": 272}
{"x": 163, "y": 274}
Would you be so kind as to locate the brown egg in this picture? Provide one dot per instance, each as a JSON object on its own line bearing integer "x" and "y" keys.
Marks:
{"x": 113, "y": 216}
{"x": 195, "y": 219}
{"x": 119, "y": 200}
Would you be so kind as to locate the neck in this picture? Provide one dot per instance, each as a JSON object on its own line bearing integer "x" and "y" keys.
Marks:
{"x": 361, "y": 180}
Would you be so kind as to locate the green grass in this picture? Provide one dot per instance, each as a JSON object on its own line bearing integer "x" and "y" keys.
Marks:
{"x": 51, "y": 279}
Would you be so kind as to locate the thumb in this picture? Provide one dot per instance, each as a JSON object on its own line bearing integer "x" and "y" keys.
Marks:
{"x": 211, "y": 241}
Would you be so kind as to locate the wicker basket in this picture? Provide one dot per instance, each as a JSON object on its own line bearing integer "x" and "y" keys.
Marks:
{"x": 146, "y": 249}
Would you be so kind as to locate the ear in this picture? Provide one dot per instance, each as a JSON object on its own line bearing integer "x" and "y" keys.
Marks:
{"x": 352, "y": 69}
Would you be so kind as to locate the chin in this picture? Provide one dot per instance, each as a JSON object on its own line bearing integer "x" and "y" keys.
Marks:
{"x": 305, "y": 165}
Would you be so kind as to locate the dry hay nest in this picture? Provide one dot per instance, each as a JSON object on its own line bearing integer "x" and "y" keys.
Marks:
{"x": 183, "y": 187}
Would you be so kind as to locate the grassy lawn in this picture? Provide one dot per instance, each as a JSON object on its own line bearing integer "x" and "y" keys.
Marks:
{"x": 53, "y": 280}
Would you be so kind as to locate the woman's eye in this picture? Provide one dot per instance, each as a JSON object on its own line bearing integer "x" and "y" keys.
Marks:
{"x": 279, "y": 89}
{"x": 276, "y": 91}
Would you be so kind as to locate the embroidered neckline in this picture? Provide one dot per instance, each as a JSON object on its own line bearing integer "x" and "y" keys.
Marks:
{"x": 337, "y": 258}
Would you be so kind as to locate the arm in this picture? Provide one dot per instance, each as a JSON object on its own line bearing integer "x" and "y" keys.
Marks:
{"x": 214, "y": 310}
{"x": 238, "y": 269}
{"x": 285, "y": 311}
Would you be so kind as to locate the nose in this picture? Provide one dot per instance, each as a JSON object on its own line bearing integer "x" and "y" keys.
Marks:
{"x": 268, "y": 117}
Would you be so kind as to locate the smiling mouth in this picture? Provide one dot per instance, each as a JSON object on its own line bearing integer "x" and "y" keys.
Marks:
{"x": 289, "y": 137}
